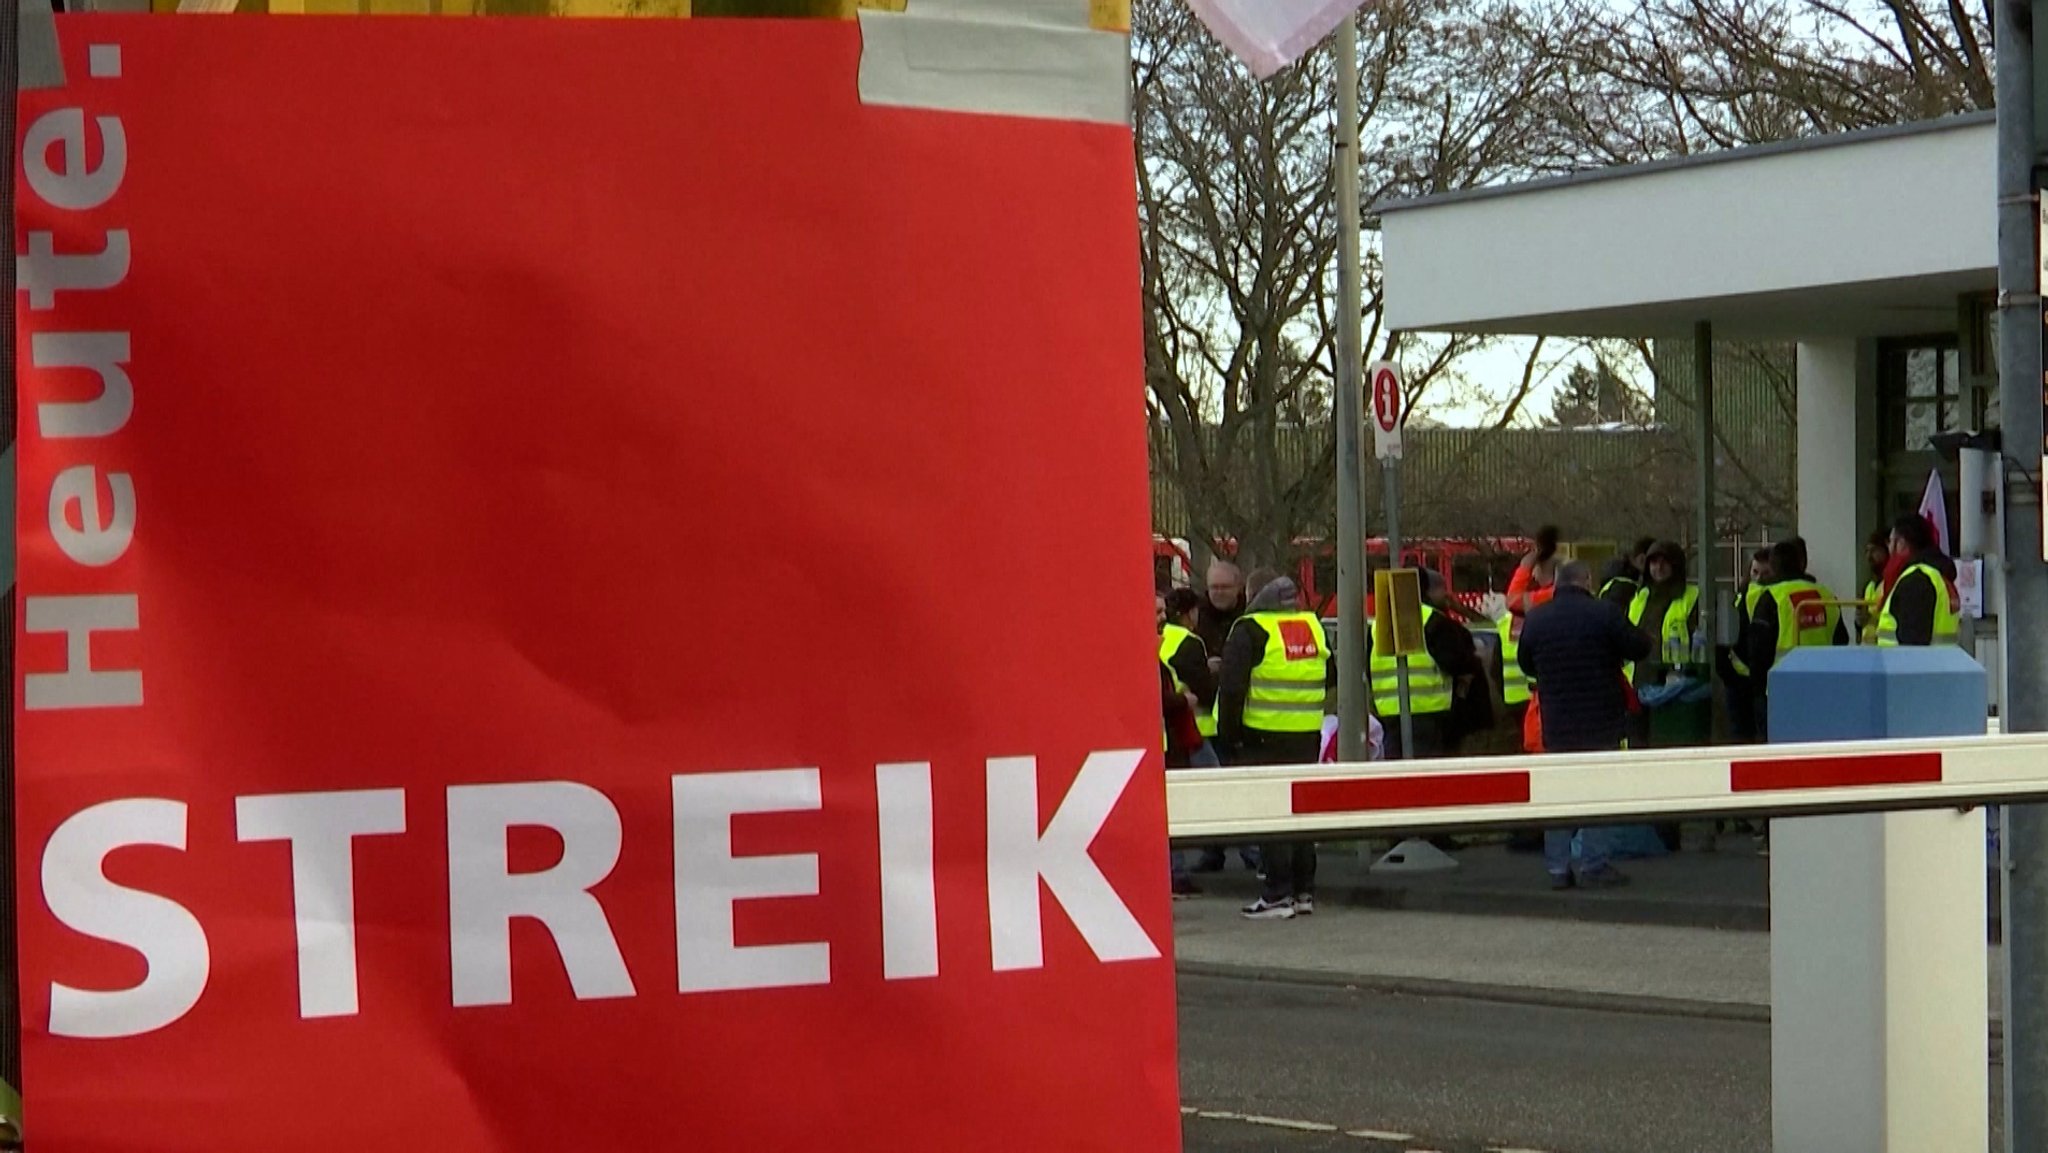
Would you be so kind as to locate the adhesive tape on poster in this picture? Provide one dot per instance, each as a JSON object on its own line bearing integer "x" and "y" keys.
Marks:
{"x": 1037, "y": 58}
{"x": 42, "y": 65}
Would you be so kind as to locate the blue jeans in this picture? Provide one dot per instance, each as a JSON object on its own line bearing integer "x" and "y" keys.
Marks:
{"x": 1557, "y": 851}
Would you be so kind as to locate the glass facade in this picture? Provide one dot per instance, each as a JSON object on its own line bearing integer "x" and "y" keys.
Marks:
{"x": 1921, "y": 385}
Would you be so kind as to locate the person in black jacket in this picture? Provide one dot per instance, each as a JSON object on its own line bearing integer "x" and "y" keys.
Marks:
{"x": 1452, "y": 648}
{"x": 1573, "y": 649}
{"x": 1624, "y": 575}
{"x": 1759, "y": 641}
{"x": 1221, "y": 607}
{"x": 1190, "y": 662}
{"x": 1912, "y": 599}
{"x": 1290, "y": 869}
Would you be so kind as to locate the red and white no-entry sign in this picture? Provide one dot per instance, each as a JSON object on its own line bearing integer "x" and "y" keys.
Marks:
{"x": 1385, "y": 381}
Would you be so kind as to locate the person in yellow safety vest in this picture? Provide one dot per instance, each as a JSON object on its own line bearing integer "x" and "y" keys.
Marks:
{"x": 1624, "y": 575}
{"x": 1442, "y": 698}
{"x": 1188, "y": 659}
{"x": 1514, "y": 683}
{"x": 1794, "y": 613}
{"x": 1667, "y": 610}
{"x": 1877, "y": 551}
{"x": 1177, "y": 736}
{"x": 1744, "y": 692}
{"x": 1921, "y": 608}
{"x": 1271, "y": 695}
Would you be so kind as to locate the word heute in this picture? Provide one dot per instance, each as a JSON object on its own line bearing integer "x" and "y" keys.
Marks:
{"x": 57, "y": 164}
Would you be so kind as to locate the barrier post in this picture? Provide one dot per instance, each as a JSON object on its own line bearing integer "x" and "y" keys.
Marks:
{"x": 1879, "y": 988}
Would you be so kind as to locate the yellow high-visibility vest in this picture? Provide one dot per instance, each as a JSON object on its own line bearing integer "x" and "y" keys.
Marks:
{"x": 1752, "y": 595}
{"x": 1676, "y": 648}
{"x": 1429, "y": 690}
{"x": 1804, "y": 619}
{"x": 1946, "y": 622}
{"x": 1287, "y": 686}
{"x": 1171, "y": 638}
{"x": 1514, "y": 683}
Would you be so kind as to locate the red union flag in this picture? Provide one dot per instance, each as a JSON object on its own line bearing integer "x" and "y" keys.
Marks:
{"x": 506, "y": 657}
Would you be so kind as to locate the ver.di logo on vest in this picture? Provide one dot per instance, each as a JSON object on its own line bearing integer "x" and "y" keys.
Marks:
{"x": 1300, "y": 640}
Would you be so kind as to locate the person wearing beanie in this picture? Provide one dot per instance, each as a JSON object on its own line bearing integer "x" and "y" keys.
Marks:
{"x": 1271, "y": 693}
{"x": 1667, "y": 610}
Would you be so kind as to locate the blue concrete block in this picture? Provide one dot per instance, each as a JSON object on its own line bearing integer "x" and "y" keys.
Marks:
{"x": 1867, "y": 693}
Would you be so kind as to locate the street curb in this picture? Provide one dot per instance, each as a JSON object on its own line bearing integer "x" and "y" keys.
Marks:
{"x": 1733, "y": 1011}
{"x": 1606, "y": 907}
{"x": 1473, "y": 991}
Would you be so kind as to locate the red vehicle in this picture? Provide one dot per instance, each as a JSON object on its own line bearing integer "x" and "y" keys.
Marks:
{"x": 1473, "y": 566}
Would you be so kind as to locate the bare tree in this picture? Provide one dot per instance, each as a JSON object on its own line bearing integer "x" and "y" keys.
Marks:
{"x": 1674, "y": 77}
{"x": 1238, "y": 239}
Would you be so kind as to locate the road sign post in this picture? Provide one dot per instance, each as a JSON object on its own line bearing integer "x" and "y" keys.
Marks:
{"x": 1352, "y": 695}
{"x": 2024, "y": 587}
{"x": 1388, "y": 415}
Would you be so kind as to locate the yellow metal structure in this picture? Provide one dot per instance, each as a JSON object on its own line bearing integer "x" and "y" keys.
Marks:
{"x": 1397, "y": 611}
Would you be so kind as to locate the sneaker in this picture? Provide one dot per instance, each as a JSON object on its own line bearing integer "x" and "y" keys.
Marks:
{"x": 1305, "y": 905}
{"x": 1184, "y": 888}
{"x": 1605, "y": 877}
{"x": 1264, "y": 910}
{"x": 1561, "y": 881}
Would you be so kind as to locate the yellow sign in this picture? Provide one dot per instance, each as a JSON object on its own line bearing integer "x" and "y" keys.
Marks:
{"x": 1397, "y": 612}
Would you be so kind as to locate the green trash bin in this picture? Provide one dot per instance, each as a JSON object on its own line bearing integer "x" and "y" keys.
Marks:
{"x": 1684, "y": 724}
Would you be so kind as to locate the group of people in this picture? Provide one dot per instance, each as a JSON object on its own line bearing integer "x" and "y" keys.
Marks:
{"x": 1246, "y": 675}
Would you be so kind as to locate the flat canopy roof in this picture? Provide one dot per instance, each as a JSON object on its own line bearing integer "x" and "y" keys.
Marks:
{"x": 1866, "y": 234}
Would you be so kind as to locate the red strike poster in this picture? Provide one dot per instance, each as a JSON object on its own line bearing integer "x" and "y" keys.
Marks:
{"x": 580, "y": 589}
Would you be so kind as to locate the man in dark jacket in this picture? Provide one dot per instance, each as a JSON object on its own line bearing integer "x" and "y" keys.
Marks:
{"x": 1270, "y": 699}
{"x": 1919, "y": 609}
{"x": 1452, "y": 648}
{"x": 1221, "y": 607}
{"x": 1665, "y": 595}
{"x": 1762, "y": 641}
{"x": 1177, "y": 724}
{"x": 1188, "y": 659}
{"x": 1624, "y": 575}
{"x": 1573, "y": 649}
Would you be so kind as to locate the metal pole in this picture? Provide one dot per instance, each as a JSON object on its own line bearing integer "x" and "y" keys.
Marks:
{"x": 1972, "y": 468}
{"x": 1703, "y": 374}
{"x": 1390, "y": 480}
{"x": 2025, "y": 839}
{"x": 1349, "y": 406}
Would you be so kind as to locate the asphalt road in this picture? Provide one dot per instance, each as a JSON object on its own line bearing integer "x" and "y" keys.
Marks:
{"x": 1460, "y": 1076}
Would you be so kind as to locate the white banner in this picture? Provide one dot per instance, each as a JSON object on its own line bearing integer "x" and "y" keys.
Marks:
{"x": 1268, "y": 35}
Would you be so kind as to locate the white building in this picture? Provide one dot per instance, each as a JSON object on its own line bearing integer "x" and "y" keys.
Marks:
{"x": 1874, "y": 251}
